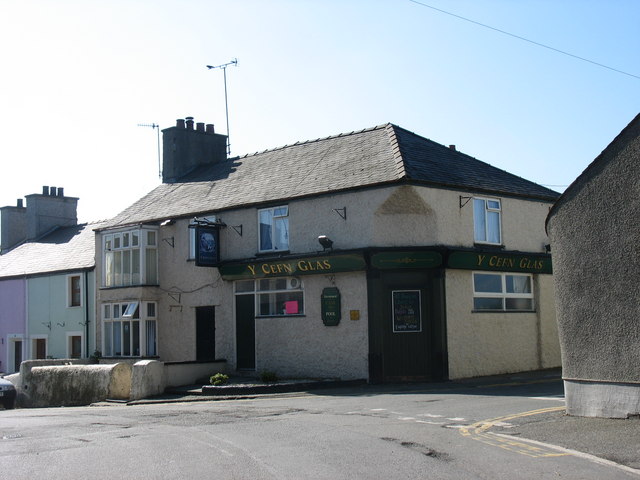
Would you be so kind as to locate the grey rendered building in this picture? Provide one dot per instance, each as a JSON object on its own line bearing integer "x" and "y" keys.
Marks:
{"x": 431, "y": 265}
{"x": 595, "y": 233}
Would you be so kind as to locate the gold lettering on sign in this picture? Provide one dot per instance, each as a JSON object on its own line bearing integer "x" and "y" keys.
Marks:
{"x": 252, "y": 268}
{"x": 481, "y": 259}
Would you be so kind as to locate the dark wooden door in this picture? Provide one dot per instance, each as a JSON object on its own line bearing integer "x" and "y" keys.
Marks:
{"x": 41, "y": 348}
{"x": 406, "y": 315}
{"x": 245, "y": 332}
{"x": 205, "y": 334}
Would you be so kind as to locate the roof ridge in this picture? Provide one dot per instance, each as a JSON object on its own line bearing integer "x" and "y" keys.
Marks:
{"x": 307, "y": 142}
{"x": 396, "y": 150}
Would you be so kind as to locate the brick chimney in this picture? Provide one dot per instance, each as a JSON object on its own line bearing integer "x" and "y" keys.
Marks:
{"x": 185, "y": 148}
{"x": 44, "y": 212}
{"x": 13, "y": 226}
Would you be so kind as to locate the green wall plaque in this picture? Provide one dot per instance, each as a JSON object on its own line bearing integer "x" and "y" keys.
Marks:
{"x": 330, "y": 306}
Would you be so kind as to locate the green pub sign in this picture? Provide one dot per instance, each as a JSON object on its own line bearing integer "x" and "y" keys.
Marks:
{"x": 330, "y": 306}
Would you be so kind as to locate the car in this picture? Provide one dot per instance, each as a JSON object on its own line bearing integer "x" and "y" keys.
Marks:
{"x": 7, "y": 394}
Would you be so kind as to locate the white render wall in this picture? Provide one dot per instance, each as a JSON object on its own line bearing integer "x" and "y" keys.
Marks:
{"x": 394, "y": 216}
{"x": 379, "y": 218}
{"x": 489, "y": 343}
{"x": 305, "y": 347}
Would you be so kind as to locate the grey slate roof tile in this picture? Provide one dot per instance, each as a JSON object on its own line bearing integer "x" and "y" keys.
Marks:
{"x": 378, "y": 155}
{"x": 64, "y": 249}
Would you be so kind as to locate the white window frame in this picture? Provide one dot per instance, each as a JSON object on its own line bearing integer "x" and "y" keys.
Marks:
{"x": 80, "y": 334}
{"x": 274, "y": 218}
{"x": 70, "y": 290}
{"x": 129, "y": 312}
{"x": 503, "y": 295}
{"x": 118, "y": 244}
{"x": 293, "y": 285}
{"x": 487, "y": 209}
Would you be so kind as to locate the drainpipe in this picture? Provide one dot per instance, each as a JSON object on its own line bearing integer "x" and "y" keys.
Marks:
{"x": 86, "y": 313}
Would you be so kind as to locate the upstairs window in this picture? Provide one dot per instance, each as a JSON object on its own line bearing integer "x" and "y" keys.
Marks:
{"x": 502, "y": 292}
{"x": 486, "y": 221}
{"x": 74, "y": 291}
{"x": 274, "y": 229}
{"x": 130, "y": 258}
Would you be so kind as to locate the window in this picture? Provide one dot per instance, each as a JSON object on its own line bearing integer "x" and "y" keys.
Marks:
{"x": 502, "y": 292}
{"x": 75, "y": 347}
{"x": 129, "y": 329}
{"x": 74, "y": 291}
{"x": 275, "y": 296}
{"x": 486, "y": 221}
{"x": 130, "y": 258}
{"x": 274, "y": 229}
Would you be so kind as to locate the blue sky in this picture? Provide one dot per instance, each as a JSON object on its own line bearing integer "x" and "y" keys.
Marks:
{"x": 79, "y": 76}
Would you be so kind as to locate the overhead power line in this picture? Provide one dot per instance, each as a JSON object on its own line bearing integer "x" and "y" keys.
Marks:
{"x": 525, "y": 39}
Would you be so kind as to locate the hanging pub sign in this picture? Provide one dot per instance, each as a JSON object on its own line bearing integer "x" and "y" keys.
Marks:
{"x": 330, "y": 306}
{"x": 406, "y": 311}
{"x": 207, "y": 249}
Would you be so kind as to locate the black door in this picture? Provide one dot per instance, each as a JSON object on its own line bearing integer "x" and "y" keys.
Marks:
{"x": 17, "y": 355}
{"x": 245, "y": 332}
{"x": 406, "y": 314}
{"x": 205, "y": 334}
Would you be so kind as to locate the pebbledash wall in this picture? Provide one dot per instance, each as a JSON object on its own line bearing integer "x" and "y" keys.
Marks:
{"x": 418, "y": 223}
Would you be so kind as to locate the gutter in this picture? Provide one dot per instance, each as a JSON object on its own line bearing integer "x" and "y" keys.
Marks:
{"x": 86, "y": 313}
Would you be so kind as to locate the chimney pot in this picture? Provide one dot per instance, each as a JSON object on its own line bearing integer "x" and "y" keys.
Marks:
{"x": 180, "y": 123}
{"x": 19, "y": 203}
{"x": 452, "y": 147}
{"x": 60, "y": 192}
{"x": 189, "y": 123}
{"x": 53, "y": 191}
{"x": 45, "y": 190}
{"x": 200, "y": 127}
{"x": 209, "y": 128}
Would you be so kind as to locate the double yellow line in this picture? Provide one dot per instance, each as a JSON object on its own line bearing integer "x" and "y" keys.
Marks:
{"x": 478, "y": 431}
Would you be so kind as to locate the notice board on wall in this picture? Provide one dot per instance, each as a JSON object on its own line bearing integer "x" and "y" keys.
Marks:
{"x": 406, "y": 307}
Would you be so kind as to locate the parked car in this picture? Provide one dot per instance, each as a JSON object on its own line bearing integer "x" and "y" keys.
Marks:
{"x": 7, "y": 394}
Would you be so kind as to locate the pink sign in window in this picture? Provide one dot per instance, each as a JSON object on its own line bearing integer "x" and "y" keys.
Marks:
{"x": 291, "y": 307}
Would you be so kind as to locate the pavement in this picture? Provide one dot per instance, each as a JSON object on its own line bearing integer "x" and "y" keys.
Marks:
{"x": 610, "y": 441}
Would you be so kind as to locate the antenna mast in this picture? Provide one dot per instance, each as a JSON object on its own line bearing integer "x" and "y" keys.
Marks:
{"x": 155, "y": 126}
{"x": 224, "y": 66}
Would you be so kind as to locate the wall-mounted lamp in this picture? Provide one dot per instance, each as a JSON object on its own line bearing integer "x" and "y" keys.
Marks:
{"x": 325, "y": 241}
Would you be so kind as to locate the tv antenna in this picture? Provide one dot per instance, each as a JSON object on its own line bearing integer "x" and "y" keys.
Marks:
{"x": 224, "y": 66}
{"x": 155, "y": 126}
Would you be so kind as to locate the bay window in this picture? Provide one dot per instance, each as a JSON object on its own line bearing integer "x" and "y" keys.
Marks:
{"x": 130, "y": 258}
{"x": 129, "y": 329}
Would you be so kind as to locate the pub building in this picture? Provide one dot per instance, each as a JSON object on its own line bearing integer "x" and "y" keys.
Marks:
{"x": 376, "y": 254}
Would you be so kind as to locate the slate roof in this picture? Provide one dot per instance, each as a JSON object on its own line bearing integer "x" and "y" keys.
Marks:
{"x": 380, "y": 155}
{"x": 64, "y": 249}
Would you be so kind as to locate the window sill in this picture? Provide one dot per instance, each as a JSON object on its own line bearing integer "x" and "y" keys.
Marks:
{"x": 503, "y": 311}
{"x": 297, "y": 315}
{"x": 272, "y": 253}
{"x": 140, "y": 285}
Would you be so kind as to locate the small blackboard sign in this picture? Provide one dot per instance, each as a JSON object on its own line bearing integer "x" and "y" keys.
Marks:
{"x": 330, "y": 306}
{"x": 406, "y": 311}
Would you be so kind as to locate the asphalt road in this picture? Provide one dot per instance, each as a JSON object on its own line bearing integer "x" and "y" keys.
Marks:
{"x": 389, "y": 432}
